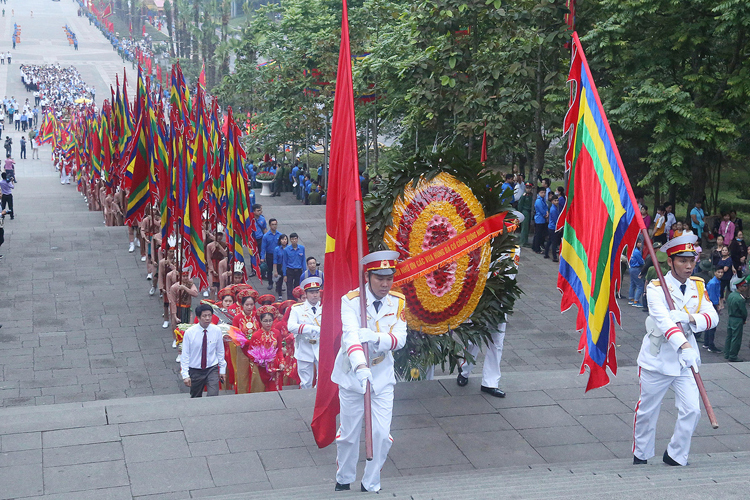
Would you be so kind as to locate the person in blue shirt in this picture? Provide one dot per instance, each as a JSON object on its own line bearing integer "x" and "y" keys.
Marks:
{"x": 253, "y": 173}
{"x": 636, "y": 282}
{"x": 278, "y": 258}
{"x": 553, "y": 241}
{"x": 300, "y": 185}
{"x": 307, "y": 185}
{"x": 696, "y": 219}
{"x": 260, "y": 229}
{"x": 508, "y": 184}
{"x": 320, "y": 174}
{"x": 561, "y": 197}
{"x": 312, "y": 271}
{"x": 292, "y": 176}
{"x": 293, "y": 264}
{"x": 541, "y": 214}
{"x": 268, "y": 244}
{"x": 260, "y": 223}
{"x": 713, "y": 288}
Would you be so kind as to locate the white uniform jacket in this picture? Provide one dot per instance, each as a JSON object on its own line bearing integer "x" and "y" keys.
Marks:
{"x": 389, "y": 321}
{"x": 659, "y": 351}
{"x": 305, "y": 325}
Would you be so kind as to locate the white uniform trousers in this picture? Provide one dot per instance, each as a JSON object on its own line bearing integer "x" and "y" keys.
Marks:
{"x": 306, "y": 371}
{"x": 492, "y": 358}
{"x": 347, "y": 438}
{"x": 64, "y": 178}
{"x": 654, "y": 386}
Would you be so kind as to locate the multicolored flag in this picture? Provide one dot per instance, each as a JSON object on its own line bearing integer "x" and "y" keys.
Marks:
{"x": 599, "y": 221}
{"x": 138, "y": 158}
{"x": 341, "y": 262}
{"x": 240, "y": 224}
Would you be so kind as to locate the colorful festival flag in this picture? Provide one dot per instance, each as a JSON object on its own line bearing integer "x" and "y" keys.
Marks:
{"x": 600, "y": 219}
{"x": 341, "y": 260}
{"x": 138, "y": 157}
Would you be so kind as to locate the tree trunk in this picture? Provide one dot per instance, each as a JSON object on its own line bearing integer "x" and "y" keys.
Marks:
{"x": 176, "y": 21}
{"x": 699, "y": 178}
{"x": 657, "y": 195}
{"x": 539, "y": 143}
{"x": 170, "y": 30}
{"x": 224, "y": 69}
{"x": 375, "y": 138}
{"x": 195, "y": 40}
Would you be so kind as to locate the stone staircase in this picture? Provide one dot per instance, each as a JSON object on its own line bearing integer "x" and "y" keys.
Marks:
{"x": 716, "y": 475}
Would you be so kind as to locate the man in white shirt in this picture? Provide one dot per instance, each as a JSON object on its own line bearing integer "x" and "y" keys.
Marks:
{"x": 304, "y": 322}
{"x": 202, "y": 362}
{"x": 385, "y": 333}
{"x": 519, "y": 188}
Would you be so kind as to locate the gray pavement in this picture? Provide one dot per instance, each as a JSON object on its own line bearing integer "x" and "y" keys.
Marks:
{"x": 175, "y": 447}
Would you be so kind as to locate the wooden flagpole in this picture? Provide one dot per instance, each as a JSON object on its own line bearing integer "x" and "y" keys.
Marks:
{"x": 670, "y": 304}
{"x": 363, "y": 324}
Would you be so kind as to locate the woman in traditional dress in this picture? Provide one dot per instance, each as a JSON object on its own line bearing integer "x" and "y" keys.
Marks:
{"x": 246, "y": 321}
{"x": 263, "y": 348}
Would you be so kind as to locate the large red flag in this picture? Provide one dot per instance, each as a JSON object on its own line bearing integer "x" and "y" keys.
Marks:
{"x": 341, "y": 263}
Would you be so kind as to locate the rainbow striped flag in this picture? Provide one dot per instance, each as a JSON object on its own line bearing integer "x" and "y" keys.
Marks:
{"x": 599, "y": 221}
{"x": 137, "y": 173}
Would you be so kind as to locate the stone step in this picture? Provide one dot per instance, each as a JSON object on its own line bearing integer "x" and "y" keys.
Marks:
{"x": 707, "y": 475}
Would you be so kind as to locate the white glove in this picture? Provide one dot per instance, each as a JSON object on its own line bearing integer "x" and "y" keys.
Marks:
{"x": 689, "y": 357}
{"x": 367, "y": 335}
{"x": 679, "y": 316}
{"x": 363, "y": 375}
{"x": 315, "y": 331}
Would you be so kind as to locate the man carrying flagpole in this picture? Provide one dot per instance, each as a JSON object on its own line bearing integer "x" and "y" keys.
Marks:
{"x": 667, "y": 354}
{"x": 385, "y": 332}
{"x": 345, "y": 244}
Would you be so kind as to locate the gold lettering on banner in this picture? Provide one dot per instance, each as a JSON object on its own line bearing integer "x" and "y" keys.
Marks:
{"x": 481, "y": 230}
{"x": 429, "y": 258}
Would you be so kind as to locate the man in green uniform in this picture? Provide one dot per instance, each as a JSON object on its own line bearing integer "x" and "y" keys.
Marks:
{"x": 314, "y": 196}
{"x": 524, "y": 206}
{"x": 737, "y": 311}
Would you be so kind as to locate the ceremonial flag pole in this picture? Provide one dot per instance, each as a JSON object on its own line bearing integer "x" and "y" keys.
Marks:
{"x": 599, "y": 220}
{"x": 345, "y": 240}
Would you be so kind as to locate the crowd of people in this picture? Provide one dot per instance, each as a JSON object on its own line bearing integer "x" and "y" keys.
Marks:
{"x": 296, "y": 178}
{"x": 23, "y": 117}
{"x": 57, "y": 86}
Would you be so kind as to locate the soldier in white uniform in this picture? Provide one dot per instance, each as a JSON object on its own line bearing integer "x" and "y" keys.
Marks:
{"x": 494, "y": 355}
{"x": 385, "y": 332}
{"x": 667, "y": 354}
{"x": 304, "y": 323}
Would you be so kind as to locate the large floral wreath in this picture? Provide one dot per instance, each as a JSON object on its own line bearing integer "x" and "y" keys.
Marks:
{"x": 419, "y": 207}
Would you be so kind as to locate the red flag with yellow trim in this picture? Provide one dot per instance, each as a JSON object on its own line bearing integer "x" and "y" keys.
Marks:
{"x": 341, "y": 263}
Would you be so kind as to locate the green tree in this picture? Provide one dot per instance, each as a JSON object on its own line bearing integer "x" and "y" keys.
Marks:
{"x": 457, "y": 67}
{"x": 675, "y": 77}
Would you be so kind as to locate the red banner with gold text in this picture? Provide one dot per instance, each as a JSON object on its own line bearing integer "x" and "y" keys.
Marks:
{"x": 454, "y": 248}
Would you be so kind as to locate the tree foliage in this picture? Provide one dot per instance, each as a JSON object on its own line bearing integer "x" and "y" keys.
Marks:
{"x": 677, "y": 85}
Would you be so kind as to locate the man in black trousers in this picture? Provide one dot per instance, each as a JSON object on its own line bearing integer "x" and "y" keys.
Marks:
{"x": 202, "y": 360}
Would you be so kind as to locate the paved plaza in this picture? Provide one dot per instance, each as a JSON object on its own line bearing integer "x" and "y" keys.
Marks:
{"x": 92, "y": 404}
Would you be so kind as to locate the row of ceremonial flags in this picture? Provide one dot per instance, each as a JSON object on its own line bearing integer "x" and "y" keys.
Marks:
{"x": 190, "y": 166}
{"x": 175, "y": 157}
